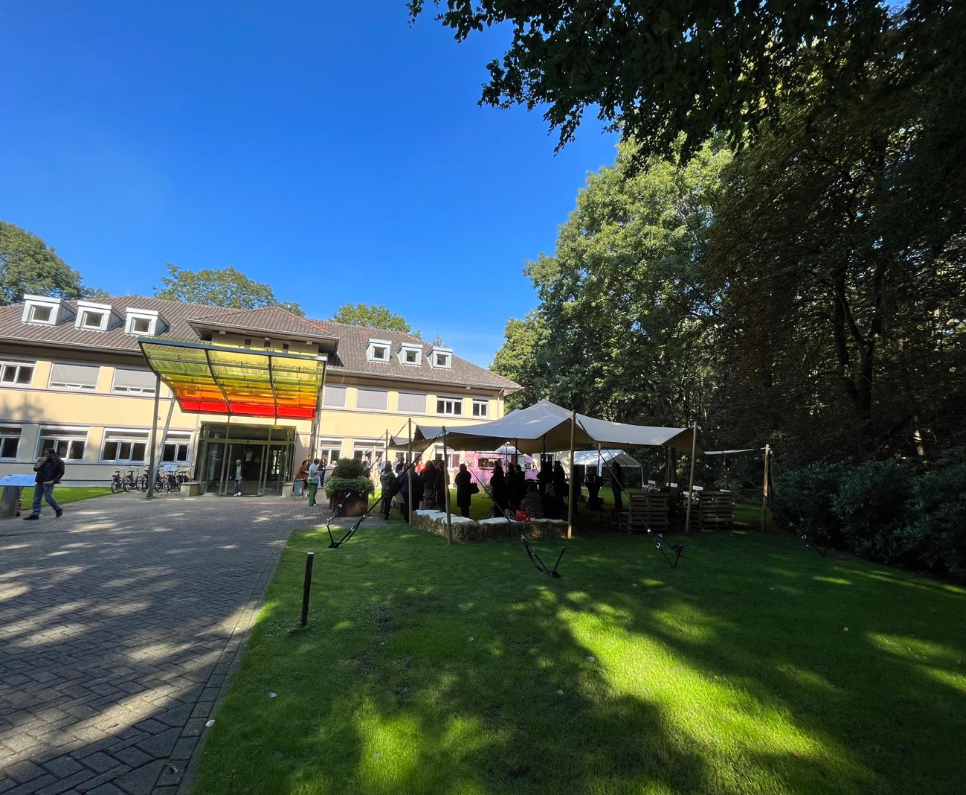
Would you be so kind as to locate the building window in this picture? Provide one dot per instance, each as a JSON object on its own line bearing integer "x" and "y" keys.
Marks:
{"x": 371, "y": 450}
{"x": 412, "y": 403}
{"x": 9, "y": 441}
{"x": 378, "y": 351}
{"x": 93, "y": 317}
{"x": 16, "y": 373}
{"x": 285, "y": 346}
{"x": 175, "y": 450}
{"x": 93, "y": 320}
{"x": 411, "y": 354}
{"x": 40, "y": 314}
{"x": 134, "y": 382}
{"x": 330, "y": 450}
{"x": 41, "y": 310}
{"x": 372, "y": 399}
{"x": 68, "y": 442}
{"x": 142, "y": 321}
{"x": 451, "y": 407}
{"x": 481, "y": 408}
{"x": 441, "y": 357}
{"x": 81, "y": 377}
{"x": 248, "y": 343}
{"x": 333, "y": 397}
{"x": 125, "y": 447}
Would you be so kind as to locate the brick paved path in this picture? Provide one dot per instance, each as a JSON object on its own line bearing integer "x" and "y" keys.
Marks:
{"x": 118, "y": 625}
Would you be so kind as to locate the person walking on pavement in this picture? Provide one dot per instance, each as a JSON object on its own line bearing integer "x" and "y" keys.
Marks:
{"x": 238, "y": 477}
{"x": 50, "y": 471}
{"x": 313, "y": 480}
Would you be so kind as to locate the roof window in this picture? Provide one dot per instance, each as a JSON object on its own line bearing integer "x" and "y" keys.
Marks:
{"x": 142, "y": 321}
{"x": 441, "y": 358}
{"x": 378, "y": 350}
{"x": 43, "y": 311}
{"x": 93, "y": 317}
{"x": 410, "y": 353}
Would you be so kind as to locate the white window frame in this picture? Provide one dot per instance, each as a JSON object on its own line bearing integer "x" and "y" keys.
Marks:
{"x": 445, "y": 353}
{"x": 133, "y": 315}
{"x": 407, "y": 348}
{"x": 64, "y": 434}
{"x": 374, "y": 448}
{"x": 9, "y": 363}
{"x": 345, "y": 396}
{"x": 384, "y": 392}
{"x": 89, "y": 307}
{"x": 379, "y": 345}
{"x": 448, "y": 399}
{"x": 10, "y": 432}
{"x": 177, "y": 440}
{"x": 125, "y": 436}
{"x": 115, "y": 390}
{"x": 70, "y": 386}
{"x": 32, "y": 302}
{"x": 326, "y": 448}
{"x": 484, "y": 405}
{"x": 421, "y": 395}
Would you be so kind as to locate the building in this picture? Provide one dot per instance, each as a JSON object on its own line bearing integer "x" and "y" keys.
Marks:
{"x": 82, "y": 376}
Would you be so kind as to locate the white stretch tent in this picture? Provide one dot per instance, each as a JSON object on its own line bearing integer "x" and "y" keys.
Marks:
{"x": 591, "y": 458}
{"x": 547, "y": 427}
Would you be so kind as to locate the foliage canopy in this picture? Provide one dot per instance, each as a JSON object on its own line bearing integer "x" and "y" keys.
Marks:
{"x": 30, "y": 266}
{"x": 219, "y": 287}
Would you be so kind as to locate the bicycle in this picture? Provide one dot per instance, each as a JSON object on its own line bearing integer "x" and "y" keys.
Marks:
{"x": 130, "y": 481}
{"x": 117, "y": 482}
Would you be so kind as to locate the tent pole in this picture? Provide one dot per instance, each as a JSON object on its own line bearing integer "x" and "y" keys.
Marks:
{"x": 764, "y": 488}
{"x": 570, "y": 500}
{"x": 409, "y": 472}
{"x": 449, "y": 516}
{"x": 694, "y": 448}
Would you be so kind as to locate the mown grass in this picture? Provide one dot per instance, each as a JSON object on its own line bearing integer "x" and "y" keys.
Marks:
{"x": 756, "y": 667}
{"x": 68, "y": 494}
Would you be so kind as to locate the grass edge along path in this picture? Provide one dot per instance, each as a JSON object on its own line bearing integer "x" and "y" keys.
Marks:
{"x": 756, "y": 667}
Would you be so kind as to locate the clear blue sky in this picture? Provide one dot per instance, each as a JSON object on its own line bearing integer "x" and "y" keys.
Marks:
{"x": 327, "y": 148}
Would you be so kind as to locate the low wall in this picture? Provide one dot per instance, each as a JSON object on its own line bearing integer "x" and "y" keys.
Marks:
{"x": 489, "y": 529}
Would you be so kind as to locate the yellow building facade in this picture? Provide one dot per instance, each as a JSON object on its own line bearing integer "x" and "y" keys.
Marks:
{"x": 73, "y": 377}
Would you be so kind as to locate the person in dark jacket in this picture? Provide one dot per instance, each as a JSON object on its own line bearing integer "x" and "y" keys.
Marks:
{"x": 464, "y": 497}
{"x": 617, "y": 484}
{"x": 498, "y": 488}
{"x": 50, "y": 471}
{"x": 560, "y": 489}
{"x": 544, "y": 477}
{"x": 387, "y": 480}
{"x": 518, "y": 486}
{"x": 429, "y": 486}
{"x": 440, "y": 485}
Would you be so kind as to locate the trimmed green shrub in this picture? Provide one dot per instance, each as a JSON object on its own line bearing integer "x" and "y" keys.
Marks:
{"x": 937, "y": 529}
{"x": 870, "y": 504}
{"x": 803, "y": 499}
{"x": 348, "y": 476}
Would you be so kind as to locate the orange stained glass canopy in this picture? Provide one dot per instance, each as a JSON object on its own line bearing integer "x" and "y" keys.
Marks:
{"x": 213, "y": 379}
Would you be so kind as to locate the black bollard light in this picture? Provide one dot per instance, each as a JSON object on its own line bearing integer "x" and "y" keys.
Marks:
{"x": 307, "y": 587}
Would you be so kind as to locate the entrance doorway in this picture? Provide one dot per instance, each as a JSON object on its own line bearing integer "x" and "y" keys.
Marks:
{"x": 263, "y": 452}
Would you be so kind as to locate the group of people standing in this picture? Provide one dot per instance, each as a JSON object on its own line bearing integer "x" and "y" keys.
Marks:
{"x": 310, "y": 478}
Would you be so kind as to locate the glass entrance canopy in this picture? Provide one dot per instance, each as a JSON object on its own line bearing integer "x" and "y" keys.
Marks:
{"x": 239, "y": 382}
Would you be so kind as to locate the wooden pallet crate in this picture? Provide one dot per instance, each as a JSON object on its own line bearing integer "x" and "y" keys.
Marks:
{"x": 716, "y": 510}
{"x": 647, "y": 510}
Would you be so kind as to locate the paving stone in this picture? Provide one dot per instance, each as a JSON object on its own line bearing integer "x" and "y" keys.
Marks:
{"x": 63, "y": 766}
{"x": 23, "y": 771}
{"x": 133, "y": 757}
{"x": 106, "y": 789}
{"x": 100, "y": 762}
{"x": 31, "y": 786}
{"x": 65, "y": 784}
{"x": 141, "y": 780}
{"x": 161, "y": 744}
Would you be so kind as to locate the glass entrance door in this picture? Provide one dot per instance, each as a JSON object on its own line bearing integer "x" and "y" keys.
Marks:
{"x": 265, "y": 454}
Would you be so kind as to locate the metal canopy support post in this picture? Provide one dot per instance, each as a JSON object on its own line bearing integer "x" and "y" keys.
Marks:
{"x": 154, "y": 437}
{"x": 570, "y": 500}
{"x": 449, "y": 516}
{"x": 271, "y": 384}
{"x": 694, "y": 449}
{"x": 764, "y": 488}
{"x": 224, "y": 458}
{"x": 317, "y": 416}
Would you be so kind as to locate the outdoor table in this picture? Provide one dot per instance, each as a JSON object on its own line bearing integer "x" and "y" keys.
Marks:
{"x": 12, "y": 486}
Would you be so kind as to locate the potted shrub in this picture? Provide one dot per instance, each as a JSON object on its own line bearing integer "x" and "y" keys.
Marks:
{"x": 349, "y": 486}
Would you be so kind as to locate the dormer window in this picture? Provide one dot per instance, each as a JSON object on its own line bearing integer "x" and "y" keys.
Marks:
{"x": 41, "y": 310}
{"x": 411, "y": 354}
{"x": 378, "y": 350}
{"x": 141, "y": 321}
{"x": 441, "y": 357}
{"x": 93, "y": 317}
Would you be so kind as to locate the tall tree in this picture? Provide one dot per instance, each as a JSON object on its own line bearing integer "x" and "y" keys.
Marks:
{"x": 219, "y": 287}
{"x": 625, "y": 326}
{"x": 30, "y": 266}
{"x": 654, "y": 68}
{"x": 373, "y": 316}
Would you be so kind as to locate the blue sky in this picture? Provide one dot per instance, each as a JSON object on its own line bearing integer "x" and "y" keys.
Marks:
{"x": 328, "y": 149}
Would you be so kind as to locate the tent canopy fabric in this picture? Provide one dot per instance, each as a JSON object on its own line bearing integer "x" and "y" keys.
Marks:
{"x": 589, "y": 458}
{"x": 545, "y": 426}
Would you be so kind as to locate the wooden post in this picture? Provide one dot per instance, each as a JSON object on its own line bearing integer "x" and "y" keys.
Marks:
{"x": 154, "y": 437}
{"x": 449, "y": 516}
{"x": 764, "y": 488}
{"x": 307, "y": 586}
{"x": 409, "y": 471}
{"x": 694, "y": 448}
{"x": 570, "y": 500}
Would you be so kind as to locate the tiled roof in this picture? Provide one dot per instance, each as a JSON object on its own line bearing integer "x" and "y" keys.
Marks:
{"x": 181, "y": 318}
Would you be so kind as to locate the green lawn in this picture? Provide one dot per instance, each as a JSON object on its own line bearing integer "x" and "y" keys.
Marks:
{"x": 756, "y": 667}
{"x": 68, "y": 494}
